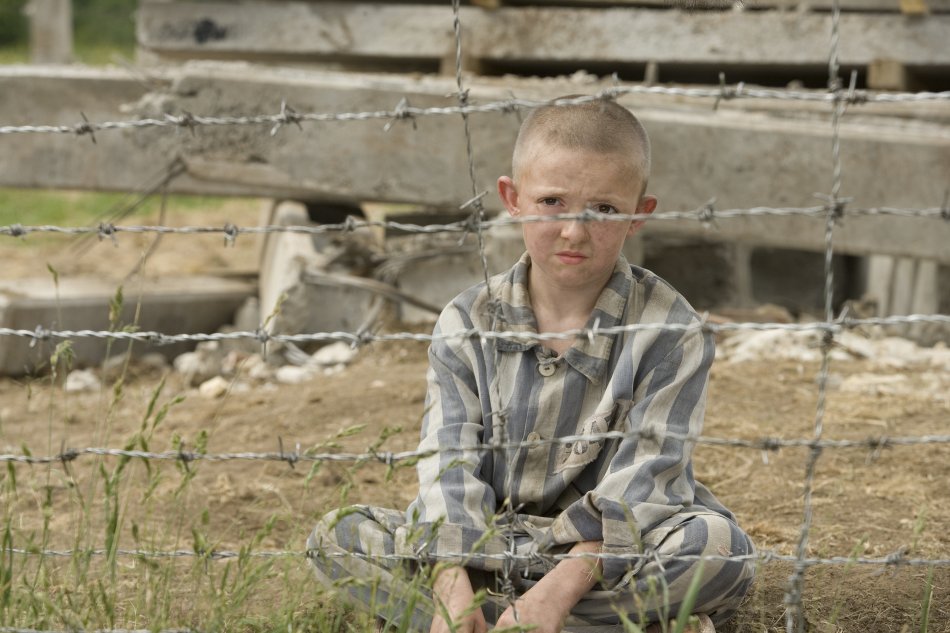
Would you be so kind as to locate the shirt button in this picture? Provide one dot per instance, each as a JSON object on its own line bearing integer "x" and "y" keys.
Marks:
{"x": 533, "y": 436}
{"x": 546, "y": 369}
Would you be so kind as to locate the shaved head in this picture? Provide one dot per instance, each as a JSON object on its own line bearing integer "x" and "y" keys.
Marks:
{"x": 600, "y": 126}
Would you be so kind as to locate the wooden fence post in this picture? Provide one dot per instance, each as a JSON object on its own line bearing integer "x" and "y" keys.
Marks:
{"x": 51, "y": 31}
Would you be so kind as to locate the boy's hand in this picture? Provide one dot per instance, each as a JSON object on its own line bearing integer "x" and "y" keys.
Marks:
{"x": 537, "y": 613}
{"x": 453, "y": 596}
{"x": 544, "y": 607}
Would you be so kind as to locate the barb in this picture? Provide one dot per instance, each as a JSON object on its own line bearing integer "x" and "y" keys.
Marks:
{"x": 739, "y": 91}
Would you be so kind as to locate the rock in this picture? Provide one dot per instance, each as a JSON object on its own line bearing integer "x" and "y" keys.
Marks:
{"x": 115, "y": 366}
{"x": 338, "y": 353}
{"x": 82, "y": 380}
{"x": 198, "y": 366}
{"x": 214, "y": 388}
{"x": 154, "y": 361}
{"x": 257, "y": 368}
{"x": 112, "y": 367}
{"x": 293, "y": 375}
{"x": 233, "y": 362}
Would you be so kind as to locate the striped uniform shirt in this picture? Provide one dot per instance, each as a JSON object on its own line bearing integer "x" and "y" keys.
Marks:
{"x": 610, "y": 490}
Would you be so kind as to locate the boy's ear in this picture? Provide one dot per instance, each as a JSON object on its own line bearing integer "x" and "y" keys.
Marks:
{"x": 646, "y": 206}
{"x": 508, "y": 194}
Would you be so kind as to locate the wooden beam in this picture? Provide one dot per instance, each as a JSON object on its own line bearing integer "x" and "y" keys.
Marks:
{"x": 895, "y": 6}
{"x": 936, "y": 6}
{"x": 339, "y": 30}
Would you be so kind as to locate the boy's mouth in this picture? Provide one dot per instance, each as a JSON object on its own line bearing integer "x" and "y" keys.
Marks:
{"x": 571, "y": 257}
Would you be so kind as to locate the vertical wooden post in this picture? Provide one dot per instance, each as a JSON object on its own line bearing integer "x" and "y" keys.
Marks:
{"x": 51, "y": 31}
{"x": 906, "y": 285}
{"x": 743, "y": 295}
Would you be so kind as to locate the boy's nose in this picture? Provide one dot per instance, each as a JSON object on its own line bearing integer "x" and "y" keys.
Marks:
{"x": 574, "y": 230}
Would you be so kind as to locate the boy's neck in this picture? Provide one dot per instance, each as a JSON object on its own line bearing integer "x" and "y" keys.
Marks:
{"x": 559, "y": 310}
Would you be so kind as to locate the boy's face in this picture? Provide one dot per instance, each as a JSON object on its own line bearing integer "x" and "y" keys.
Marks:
{"x": 575, "y": 254}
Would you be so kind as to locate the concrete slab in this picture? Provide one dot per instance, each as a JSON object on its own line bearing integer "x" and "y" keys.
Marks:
{"x": 288, "y": 303}
{"x": 741, "y": 156}
{"x": 171, "y": 306}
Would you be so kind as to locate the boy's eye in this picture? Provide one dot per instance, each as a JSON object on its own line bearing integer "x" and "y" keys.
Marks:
{"x": 549, "y": 202}
{"x": 606, "y": 209}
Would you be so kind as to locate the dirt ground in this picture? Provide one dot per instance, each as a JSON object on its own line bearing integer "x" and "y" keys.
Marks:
{"x": 865, "y": 504}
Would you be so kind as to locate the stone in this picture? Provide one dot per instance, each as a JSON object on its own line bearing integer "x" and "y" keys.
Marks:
{"x": 154, "y": 361}
{"x": 257, "y": 368}
{"x": 197, "y": 367}
{"x": 214, "y": 388}
{"x": 338, "y": 353}
{"x": 294, "y": 375}
{"x": 82, "y": 380}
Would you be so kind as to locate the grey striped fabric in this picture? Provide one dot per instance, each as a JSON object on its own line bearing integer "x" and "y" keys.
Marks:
{"x": 631, "y": 494}
{"x": 651, "y": 591}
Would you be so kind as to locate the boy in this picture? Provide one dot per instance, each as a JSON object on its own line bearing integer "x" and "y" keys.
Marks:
{"x": 622, "y": 497}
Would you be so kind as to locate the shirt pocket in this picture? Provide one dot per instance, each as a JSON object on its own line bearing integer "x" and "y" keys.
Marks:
{"x": 580, "y": 453}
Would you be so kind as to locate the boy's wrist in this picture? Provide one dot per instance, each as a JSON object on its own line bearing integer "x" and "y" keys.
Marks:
{"x": 449, "y": 583}
{"x": 573, "y": 577}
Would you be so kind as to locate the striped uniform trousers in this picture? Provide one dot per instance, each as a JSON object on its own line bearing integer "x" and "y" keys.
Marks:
{"x": 397, "y": 590}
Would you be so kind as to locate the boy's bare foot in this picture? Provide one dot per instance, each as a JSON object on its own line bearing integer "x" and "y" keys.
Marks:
{"x": 702, "y": 624}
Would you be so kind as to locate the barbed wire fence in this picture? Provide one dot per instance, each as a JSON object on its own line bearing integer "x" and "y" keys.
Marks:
{"x": 833, "y": 211}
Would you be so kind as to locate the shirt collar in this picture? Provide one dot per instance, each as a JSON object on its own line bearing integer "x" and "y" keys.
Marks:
{"x": 588, "y": 355}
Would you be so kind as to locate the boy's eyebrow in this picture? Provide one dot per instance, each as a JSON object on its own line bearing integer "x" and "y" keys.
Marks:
{"x": 544, "y": 192}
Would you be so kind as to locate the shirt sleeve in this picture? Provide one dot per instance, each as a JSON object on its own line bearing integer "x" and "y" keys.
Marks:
{"x": 649, "y": 478}
{"x": 452, "y": 514}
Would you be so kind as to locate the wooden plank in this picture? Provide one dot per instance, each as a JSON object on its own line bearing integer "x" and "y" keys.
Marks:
{"x": 936, "y": 6}
{"x": 888, "y": 74}
{"x": 910, "y": 7}
{"x": 743, "y": 158}
{"x": 335, "y": 30}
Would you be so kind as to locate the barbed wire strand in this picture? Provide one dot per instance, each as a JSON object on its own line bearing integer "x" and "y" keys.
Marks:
{"x": 894, "y": 559}
{"x": 41, "y": 334}
{"x": 405, "y": 111}
{"x": 390, "y": 458}
{"x": 705, "y": 214}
